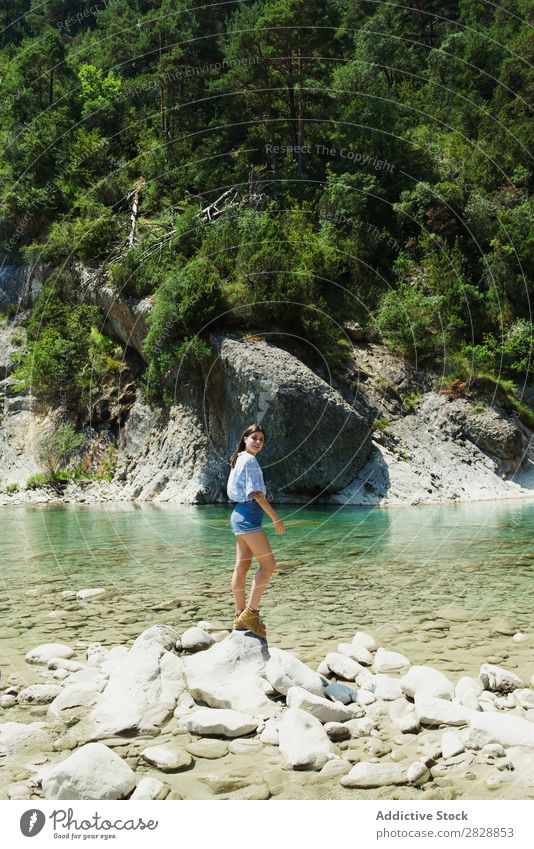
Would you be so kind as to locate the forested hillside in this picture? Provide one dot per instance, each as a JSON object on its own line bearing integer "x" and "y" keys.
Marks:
{"x": 275, "y": 165}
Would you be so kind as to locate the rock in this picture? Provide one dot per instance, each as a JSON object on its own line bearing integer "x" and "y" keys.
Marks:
{"x": 418, "y": 773}
{"x": 229, "y": 675}
{"x": 375, "y": 775}
{"x": 64, "y": 663}
{"x": 19, "y": 791}
{"x": 167, "y": 758}
{"x": 270, "y": 735}
{"x": 340, "y": 693}
{"x": 499, "y": 680}
{"x": 239, "y": 747}
{"x": 361, "y": 727}
{"x": 408, "y": 723}
{"x": 524, "y": 698}
{"x": 16, "y": 737}
{"x": 426, "y": 679}
{"x": 7, "y": 701}
{"x": 337, "y": 731}
{"x": 357, "y": 652}
{"x": 337, "y": 445}
{"x": 92, "y": 772}
{"x": 365, "y": 698}
{"x": 143, "y": 688}
{"x": 343, "y": 666}
{"x": 475, "y": 739}
{"x": 336, "y": 766}
{"x": 196, "y": 639}
{"x": 82, "y": 695}
{"x": 376, "y": 748}
{"x": 91, "y": 594}
{"x": 389, "y": 661}
{"x": 451, "y": 744}
{"x": 209, "y": 749}
{"x": 46, "y": 651}
{"x": 284, "y": 670}
{"x": 303, "y": 741}
{"x": 387, "y": 688}
{"x": 362, "y": 639}
{"x": 218, "y": 722}
{"x": 164, "y": 635}
{"x": 147, "y": 789}
{"x": 519, "y": 637}
{"x": 39, "y": 694}
{"x": 433, "y": 711}
{"x": 324, "y": 669}
{"x": 503, "y": 728}
{"x": 323, "y": 709}
{"x": 494, "y": 750}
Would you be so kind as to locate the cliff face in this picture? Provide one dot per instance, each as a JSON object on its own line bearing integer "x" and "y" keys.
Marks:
{"x": 424, "y": 446}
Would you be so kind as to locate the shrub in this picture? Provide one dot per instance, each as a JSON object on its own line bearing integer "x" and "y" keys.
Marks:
{"x": 56, "y": 446}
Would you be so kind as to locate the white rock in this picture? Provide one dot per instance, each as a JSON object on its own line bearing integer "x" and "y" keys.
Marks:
{"x": 323, "y": 709}
{"x": 418, "y": 773}
{"x": 493, "y": 749}
{"x": 83, "y": 695}
{"x": 92, "y": 772}
{"x": 64, "y": 663}
{"x": 239, "y": 747}
{"x": 324, "y": 669}
{"x": 366, "y": 681}
{"x": 426, "y": 679}
{"x": 408, "y": 723}
{"x": 230, "y": 675}
{"x": 340, "y": 693}
{"x": 504, "y": 729}
{"x": 361, "y": 727}
{"x": 451, "y": 744}
{"x": 7, "y": 701}
{"x": 357, "y": 652}
{"x": 365, "y": 698}
{"x": 68, "y": 594}
{"x": 343, "y": 666}
{"x": 218, "y": 722}
{"x": 269, "y": 735}
{"x": 143, "y": 688}
{"x": 91, "y": 593}
{"x": 335, "y": 766}
{"x": 284, "y": 670}
{"x": 362, "y": 639}
{"x": 18, "y": 737}
{"x": 196, "y": 639}
{"x": 499, "y": 680}
{"x": 389, "y": 661}
{"x": 303, "y": 741}
{"x": 19, "y": 791}
{"x": 375, "y": 775}
{"x": 432, "y": 711}
{"x": 387, "y": 688}
{"x": 519, "y": 637}
{"x": 46, "y": 651}
{"x": 167, "y": 758}
{"x": 147, "y": 789}
{"x": 524, "y": 698}
{"x": 337, "y": 731}
{"x": 163, "y": 635}
{"x": 39, "y": 694}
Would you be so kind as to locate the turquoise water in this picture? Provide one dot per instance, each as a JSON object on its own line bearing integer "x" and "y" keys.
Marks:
{"x": 441, "y": 583}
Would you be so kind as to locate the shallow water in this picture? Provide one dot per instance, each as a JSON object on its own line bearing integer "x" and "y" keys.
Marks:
{"x": 439, "y": 583}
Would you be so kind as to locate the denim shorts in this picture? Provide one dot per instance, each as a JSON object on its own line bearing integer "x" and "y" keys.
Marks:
{"x": 246, "y": 518}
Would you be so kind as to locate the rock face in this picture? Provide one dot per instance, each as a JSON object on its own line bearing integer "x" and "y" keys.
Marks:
{"x": 270, "y": 384}
{"x": 91, "y": 772}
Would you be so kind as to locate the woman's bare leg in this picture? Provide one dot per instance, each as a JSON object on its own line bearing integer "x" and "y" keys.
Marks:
{"x": 260, "y": 547}
{"x": 243, "y": 561}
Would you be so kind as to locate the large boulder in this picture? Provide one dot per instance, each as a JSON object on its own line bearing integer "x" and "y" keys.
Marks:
{"x": 329, "y": 439}
{"x": 92, "y": 772}
{"x": 503, "y": 728}
{"x": 426, "y": 679}
{"x": 230, "y": 674}
{"x": 143, "y": 688}
{"x": 303, "y": 741}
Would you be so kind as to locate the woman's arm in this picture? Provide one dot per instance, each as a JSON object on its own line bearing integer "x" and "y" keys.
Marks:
{"x": 261, "y": 499}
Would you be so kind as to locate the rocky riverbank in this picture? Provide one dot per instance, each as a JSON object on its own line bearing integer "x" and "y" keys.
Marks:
{"x": 207, "y": 714}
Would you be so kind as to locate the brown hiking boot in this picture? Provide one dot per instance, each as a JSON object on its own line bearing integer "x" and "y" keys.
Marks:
{"x": 250, "y": 621}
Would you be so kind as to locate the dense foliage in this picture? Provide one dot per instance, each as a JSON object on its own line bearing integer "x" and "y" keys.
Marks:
{"x": 375, "y": 159}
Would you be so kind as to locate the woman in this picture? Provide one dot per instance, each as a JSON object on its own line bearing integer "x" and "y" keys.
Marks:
{"x": 246, "y": 486}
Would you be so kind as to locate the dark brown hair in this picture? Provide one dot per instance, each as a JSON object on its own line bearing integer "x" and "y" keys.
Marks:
{"x": 253, "y": 428}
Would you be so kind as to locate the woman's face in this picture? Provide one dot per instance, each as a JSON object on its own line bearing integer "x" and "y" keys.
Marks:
{"x": 254, "y": 442}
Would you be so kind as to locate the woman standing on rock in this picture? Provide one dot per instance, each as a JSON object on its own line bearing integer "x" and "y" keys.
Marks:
{"x": 246, "y": 486}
